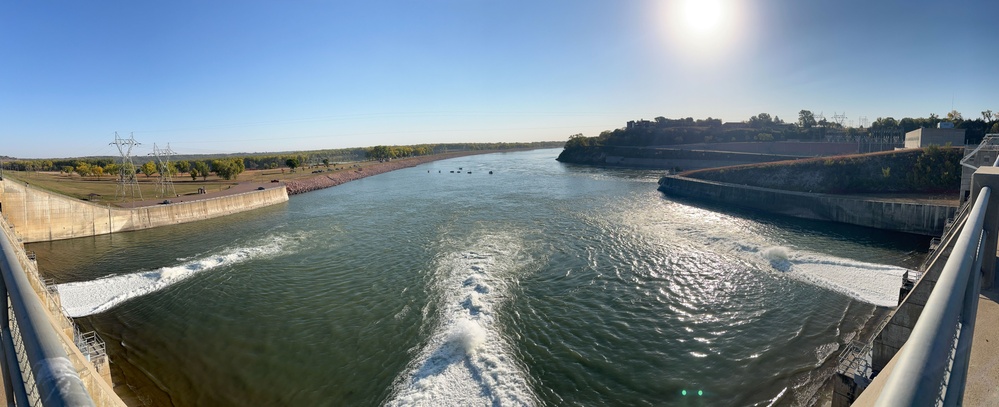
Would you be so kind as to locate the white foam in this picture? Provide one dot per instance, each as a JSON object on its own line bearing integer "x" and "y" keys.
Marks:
{"x": 467, "y": 361}
{"x": 91, "y": 297}
{"x": 723, "y": 234}
{"x": 873, "y": 283}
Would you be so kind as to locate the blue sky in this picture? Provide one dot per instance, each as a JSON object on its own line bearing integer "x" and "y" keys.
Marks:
{"x": 254, "y": 76}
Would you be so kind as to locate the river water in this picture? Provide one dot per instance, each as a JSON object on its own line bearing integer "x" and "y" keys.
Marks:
{"x": 540, "y": 284}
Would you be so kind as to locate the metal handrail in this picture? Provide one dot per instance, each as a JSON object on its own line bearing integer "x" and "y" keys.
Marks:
{"x": 919, "y": 373}
{"x": 56, "y": 379}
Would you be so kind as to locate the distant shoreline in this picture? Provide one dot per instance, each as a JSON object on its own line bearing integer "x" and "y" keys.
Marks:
{"x": 301, "y": 186}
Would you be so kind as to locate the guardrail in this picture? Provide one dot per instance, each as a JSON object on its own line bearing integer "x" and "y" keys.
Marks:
{"x": 37, "y": 368}
{"x": 932, "y": 366}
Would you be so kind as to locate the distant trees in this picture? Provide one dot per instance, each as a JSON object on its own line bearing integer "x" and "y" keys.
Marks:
{"x": 229, "y": 168}
{"x": 954, "y": 116}
{"x": 885, "y": 123}
{"x": 292, "y": 163}
{"x": 761, "y": 120}
{"x": 199, "y": 169}
{"x": 149, "y": 168}
{"x": 183, "y": 166}
{"x": 82, "y": 168}
{"x": 806, "y": 119}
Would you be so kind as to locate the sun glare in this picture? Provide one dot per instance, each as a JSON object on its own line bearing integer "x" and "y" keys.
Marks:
{"x": 703, "y": 29}
{"x": 703, "y": 16}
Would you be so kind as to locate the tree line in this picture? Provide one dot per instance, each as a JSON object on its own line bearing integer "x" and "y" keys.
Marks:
{"x": 229, "y": 166}
{"x": 765, "y": 127}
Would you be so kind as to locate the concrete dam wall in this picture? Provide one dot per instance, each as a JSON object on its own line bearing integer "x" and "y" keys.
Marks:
{"x": 917, "y": 218}
{"x": 42, "y": 216}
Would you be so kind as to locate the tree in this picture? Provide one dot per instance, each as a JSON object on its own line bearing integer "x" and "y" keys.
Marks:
{"x": 884, "y": 122}
{"x": 292, "y": 163}
{"x": 82, "y": 168}
{"x": 954, "y": 116}
{"x": 149, "y": 168}
{"x": 97, "y": 170}
{"x": 112, "y": 169}
{"x": 68, "y": 169}
{"x": 201, "y": 169}
{"x": 183, "y": 166}
{"x": 326, "y": 162}
{"x": 806, "y": 119}
{"x": 228, "y": 169}
{"x": 761, "y": 120}
{"x": 987, "y": 115}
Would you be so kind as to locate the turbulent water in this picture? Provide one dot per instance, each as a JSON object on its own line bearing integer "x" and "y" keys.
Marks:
{"x": 539, "y": 284}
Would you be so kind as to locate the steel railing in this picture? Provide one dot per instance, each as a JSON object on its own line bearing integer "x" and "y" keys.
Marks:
{"x": 932, "y": 365}
{"x": 36, "y": 366}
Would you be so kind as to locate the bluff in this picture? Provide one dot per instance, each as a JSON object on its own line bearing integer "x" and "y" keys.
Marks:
{"x": 865, "y": 190}
{"x": 929, "y": 170}
{"x": 660, "y": 158}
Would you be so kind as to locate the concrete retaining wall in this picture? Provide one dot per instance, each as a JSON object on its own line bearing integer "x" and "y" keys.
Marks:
{"x": 923, "y": 219}
{"x": 42, "y": 216}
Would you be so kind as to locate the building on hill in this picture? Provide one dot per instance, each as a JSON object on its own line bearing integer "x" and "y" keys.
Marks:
{"x": 940, "y": 136}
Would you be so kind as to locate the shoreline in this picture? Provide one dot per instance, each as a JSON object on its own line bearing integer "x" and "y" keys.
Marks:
{"x": 301, "y": 186}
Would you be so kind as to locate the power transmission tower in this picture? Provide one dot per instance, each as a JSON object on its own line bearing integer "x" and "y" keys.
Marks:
{"x": 127, "y": 183}
{"x": 165, "y": 184}
{"x": 864, "y": 122}
{"x": 839, "y": 118}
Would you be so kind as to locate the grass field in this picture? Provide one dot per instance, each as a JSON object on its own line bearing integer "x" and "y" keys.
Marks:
{"x": 105, "y": 187}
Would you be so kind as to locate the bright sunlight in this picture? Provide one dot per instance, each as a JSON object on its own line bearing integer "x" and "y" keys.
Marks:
{"x": 703, "y": 29}
{"x": 703, "y": 17}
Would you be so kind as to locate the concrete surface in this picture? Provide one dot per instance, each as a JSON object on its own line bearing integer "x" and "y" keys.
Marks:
{"x": 41, "y": 216}
{"x": 983, "y": 370}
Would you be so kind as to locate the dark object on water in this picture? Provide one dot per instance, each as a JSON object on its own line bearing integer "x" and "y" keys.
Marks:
{"x": 469, "y": 172}
{"x": 490, "y": 173}
{"x": 452, "y": 172}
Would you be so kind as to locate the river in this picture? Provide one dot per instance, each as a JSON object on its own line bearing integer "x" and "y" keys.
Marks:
{"x": 442, "y": 284}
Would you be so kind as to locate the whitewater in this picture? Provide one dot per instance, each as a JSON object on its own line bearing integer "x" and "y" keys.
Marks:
{"x": 90, "y": 297}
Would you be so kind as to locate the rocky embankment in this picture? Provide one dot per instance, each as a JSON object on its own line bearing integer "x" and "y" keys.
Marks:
{"x": 327, "y": 180}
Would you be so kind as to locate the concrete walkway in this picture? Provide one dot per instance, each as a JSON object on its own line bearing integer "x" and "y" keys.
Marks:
{"x": 983, "y": 371}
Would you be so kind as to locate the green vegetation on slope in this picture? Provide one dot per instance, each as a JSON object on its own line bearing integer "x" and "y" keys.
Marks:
{"x": 929, "y": 170}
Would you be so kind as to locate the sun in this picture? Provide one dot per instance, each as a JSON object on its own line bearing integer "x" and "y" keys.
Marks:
{"x": 703, "y": 17}
{"x": 703, "y": 30}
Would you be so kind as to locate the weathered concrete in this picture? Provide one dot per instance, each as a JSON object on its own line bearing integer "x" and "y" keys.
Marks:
{"x": 917, "y": 218}
{"x": 42, "y": 216}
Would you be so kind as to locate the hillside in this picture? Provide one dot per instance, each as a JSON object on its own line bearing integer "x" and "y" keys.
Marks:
{"x": 929, "y": 170}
